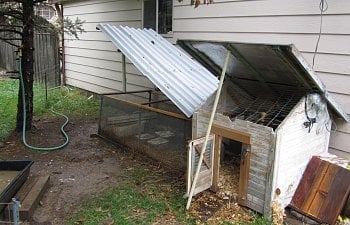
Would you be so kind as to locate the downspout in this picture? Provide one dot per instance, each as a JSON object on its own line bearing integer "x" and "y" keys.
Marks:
{"x": 59, "y": 9}
{"x": 63, "y": 49}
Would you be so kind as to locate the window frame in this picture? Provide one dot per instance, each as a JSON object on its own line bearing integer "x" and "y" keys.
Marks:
{"x": 170, "y": 33}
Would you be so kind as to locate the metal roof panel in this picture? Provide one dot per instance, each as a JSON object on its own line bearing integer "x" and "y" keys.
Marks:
{"x": 184, "y": 81}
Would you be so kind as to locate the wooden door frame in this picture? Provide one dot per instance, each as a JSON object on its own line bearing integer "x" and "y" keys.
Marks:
{"x": 245, "y": 139}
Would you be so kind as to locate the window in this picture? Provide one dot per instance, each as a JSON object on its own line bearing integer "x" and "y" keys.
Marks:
{"x": 158, "y": 15}
{"x": 45, "y": 11}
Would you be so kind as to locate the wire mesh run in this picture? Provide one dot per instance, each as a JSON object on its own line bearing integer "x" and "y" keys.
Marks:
{"x": 268, "y": 109}
{"x": 157, "y": 135}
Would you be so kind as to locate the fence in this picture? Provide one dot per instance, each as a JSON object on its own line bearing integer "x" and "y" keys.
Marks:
{"x": 46, "y": 58}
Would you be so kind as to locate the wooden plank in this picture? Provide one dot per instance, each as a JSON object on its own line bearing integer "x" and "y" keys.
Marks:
{"x": 302, "y": 192}
{"x": 33, "y": 197}
{"x": 116, "y": 16}
{"x": 337, "y": 196}
{"x": 322, "y": 190}
{"x": 326, "y": 187}
{"x": 205, "y": 160}
{"x": 244, "y": 175}
{"x": 268, "y": 24}
{"x": 231, "y": 134}
{"x": 256, "y": 8}
{"x": 216, "y": 163}
{"x": 77, "y": 9}
{"x": 313, "y": 188}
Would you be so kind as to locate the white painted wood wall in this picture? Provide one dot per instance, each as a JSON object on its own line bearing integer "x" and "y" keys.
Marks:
{"x": 294, "y": 148}
{"x": 94, "y": 64}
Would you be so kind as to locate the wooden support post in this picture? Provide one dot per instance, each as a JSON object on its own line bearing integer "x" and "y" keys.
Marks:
{"x": 216, "y": 101}
{"x": 216, "y": 163}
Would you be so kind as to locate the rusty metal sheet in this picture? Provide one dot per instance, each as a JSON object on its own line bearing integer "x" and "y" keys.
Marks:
{"x": 322, "y": 191}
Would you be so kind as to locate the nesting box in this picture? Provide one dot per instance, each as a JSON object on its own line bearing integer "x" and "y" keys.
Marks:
{"x": 274, "y": 107}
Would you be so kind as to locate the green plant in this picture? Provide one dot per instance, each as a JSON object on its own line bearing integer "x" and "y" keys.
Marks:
{"x": 8, "y": 107}
{"x": 259, "y": 220}
{"x": 73, "y": 103}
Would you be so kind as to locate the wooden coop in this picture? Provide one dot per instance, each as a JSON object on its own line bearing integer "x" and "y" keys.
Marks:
{"x": 274, "y": 114}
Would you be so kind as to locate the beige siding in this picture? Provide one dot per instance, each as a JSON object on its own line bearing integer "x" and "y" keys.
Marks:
{"x": 281, "y": 22}
{"x": 294, "y": 148}
{"x": 92, "y": 62}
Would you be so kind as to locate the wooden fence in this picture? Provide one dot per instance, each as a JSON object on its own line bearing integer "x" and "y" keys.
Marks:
{"x": 46, "y": 58}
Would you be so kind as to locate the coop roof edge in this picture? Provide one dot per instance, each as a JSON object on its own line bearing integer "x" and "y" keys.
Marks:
{"x": 185, "y": 82}
{"x": 330, "y": 100}
{"x": 303, "y": 71}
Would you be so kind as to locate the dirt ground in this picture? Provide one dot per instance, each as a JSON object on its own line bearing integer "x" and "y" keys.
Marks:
{"x": 89, "y": 165}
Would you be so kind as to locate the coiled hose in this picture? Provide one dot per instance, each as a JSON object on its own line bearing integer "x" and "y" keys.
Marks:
{"x": 25, "y": 118}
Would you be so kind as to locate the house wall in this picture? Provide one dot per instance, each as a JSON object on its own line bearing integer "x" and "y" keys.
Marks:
{"x": 92, "y": 62}
{"x": 281, "y": 22}
{"x": 294, "y": 148}
{"x": 261, "y": 154}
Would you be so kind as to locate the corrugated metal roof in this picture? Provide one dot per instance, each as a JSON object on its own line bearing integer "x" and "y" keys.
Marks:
{"x": 262, "y": 68}
{"x": 184, "y": 81}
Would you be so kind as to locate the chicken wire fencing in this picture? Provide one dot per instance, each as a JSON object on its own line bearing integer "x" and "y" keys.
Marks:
{"x": 147, "y": 130}
{"x": 265, "y": 108}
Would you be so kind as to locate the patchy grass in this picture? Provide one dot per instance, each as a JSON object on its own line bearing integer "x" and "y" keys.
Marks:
{"x": 259, "y": 220}
{"x": 8, "y": 106}
{"x": 71, "y": 103}
{"x": 134, "y": 203}
{"x": 140, "y": 199}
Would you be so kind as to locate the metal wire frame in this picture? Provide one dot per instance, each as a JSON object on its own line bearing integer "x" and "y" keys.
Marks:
{"x": 265, "y": 108}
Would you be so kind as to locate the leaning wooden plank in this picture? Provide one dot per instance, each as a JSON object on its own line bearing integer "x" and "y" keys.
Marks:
{"x": 216, "y": 101}
{"x": 327, "y": 187}
{"x": 337, "y": 196}
{"x": 307, "y": 180}
{"x": 314, "y": 187}
{"x": 322, "y": 191}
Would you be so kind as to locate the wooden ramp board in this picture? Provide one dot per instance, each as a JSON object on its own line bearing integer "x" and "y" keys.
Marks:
{"x": 322, "y": 191}
{"x": 29, "y": 195}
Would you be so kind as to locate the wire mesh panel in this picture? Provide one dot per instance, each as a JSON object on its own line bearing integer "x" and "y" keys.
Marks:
{"x": 160, "y": 136}
{"x": 268, "y": 109}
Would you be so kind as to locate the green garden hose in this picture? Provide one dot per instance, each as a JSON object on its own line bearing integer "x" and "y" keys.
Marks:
{"x": 25, "y": 118}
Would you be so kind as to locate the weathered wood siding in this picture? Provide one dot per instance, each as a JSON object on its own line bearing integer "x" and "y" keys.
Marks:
{"x": 261, "y": 154}
{"x": 92, "y": 62}
{"x": 281, "y": 22}
{"x": 294, "y": 148}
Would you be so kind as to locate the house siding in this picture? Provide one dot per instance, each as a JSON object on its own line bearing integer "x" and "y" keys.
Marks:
{"x": 92, "y": 62}
{"x": 282, "y": 22}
